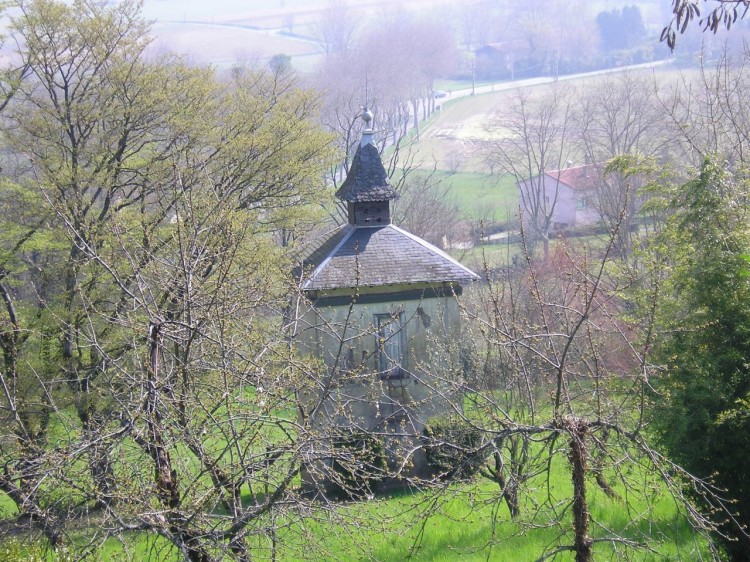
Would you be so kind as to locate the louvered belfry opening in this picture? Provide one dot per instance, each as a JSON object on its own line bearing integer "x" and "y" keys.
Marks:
{"x": 376, "y": 213}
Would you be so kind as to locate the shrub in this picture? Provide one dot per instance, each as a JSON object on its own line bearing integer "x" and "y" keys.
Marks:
{"x": 451, "y": 447}
{"x": 359, "y": 463}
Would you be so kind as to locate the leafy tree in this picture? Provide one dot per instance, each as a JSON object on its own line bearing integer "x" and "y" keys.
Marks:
{"x": 702, "y": 413}
{"x": 280, "y": 63}
{"x": 29, "y": 252}
{"x": 142, "y": 287}
{"x": 88, "y": 126}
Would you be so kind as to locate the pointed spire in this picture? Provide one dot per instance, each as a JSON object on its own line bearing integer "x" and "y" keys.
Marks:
{"x": 367, "y": 180}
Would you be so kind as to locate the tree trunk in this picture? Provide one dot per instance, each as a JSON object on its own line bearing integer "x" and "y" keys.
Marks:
{"x": 511, "y": 498}
{"x": 578, "y": 456}
{"x": 157, "y": 447}
{"x": 509, "y": 486}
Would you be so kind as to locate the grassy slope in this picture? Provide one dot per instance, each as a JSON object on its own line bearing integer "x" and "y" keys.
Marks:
{"x": 468, "y": 525}
{"x": 482, "y": 196}
{"x": 466, "y": 522}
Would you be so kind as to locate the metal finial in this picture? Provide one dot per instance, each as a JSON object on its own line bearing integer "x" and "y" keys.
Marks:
{"x": 366, "y": 116}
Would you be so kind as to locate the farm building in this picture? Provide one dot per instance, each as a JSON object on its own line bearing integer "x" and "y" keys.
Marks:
{"x": 378, "y": 299}
{"x": 504, "y": 60}
{"x": 566, "y": 195}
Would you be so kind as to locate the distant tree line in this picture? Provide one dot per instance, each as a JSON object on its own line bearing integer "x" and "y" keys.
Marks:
{"x": 621, "y": 28}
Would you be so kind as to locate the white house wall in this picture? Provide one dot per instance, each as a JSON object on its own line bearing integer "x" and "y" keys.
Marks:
{"x": 565, "y": 199}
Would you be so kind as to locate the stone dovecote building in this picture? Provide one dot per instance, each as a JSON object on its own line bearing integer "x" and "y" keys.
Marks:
{"x": 381, "y": 305}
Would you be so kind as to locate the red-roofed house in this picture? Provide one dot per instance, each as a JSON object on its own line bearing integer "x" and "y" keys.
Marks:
{"x": 566, "y": 196}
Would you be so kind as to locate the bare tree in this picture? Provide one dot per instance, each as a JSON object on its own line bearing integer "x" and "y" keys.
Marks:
{"x": 426, "y": 207}
{"x": 393, "y": 74}
{"x": 336, "y": 28}
{"x": 621, "y": 115}
{"x": 477, "y": 23}
{"x": 706, "y": 114}
{"x": 560, "y": 374}
{"x": 534, "y": 140}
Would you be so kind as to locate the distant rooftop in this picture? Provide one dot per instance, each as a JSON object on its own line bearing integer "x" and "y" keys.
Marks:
{"x": 578, "y": 178}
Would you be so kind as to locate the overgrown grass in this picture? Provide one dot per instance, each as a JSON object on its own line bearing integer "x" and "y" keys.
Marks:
{"x": 464, "y": 521}
{"x": 468, "y": 522}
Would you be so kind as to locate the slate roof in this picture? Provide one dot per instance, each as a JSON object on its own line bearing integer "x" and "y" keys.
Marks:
{"x": 376, "y": 256}
{"x": 366, "y": 180}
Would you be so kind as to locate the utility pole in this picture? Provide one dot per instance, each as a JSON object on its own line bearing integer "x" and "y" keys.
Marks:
{"x": 473, "y": 60}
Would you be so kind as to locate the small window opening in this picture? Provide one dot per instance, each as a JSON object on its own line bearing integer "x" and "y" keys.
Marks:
{"x": 391, "y": 336}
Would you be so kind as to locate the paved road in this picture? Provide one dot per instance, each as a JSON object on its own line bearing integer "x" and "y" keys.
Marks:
{"x": 499, "y": 87}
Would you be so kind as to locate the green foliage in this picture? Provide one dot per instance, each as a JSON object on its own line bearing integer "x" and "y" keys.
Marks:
{"x": 144, "y": 189}
{"x": 701, "y": 405}
{"x": 13, "y": 551}
{"x": 451, "y": 447}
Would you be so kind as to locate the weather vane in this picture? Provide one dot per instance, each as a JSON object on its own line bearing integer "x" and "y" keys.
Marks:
{"x": 367, "y": 115}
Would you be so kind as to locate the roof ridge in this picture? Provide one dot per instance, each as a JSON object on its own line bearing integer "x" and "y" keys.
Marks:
{"x": 332, "y": 253}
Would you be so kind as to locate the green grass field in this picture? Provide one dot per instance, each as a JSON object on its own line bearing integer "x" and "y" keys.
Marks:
{"x": 471, "y": 525}
{"x": 464, "y": 521}
{"x": 484, "y": 196}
